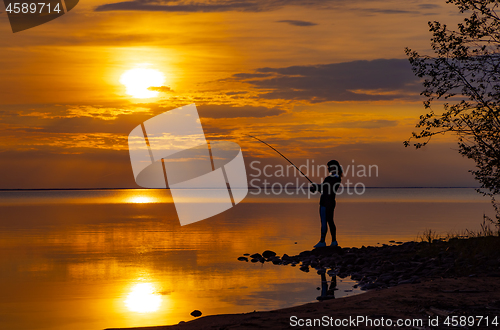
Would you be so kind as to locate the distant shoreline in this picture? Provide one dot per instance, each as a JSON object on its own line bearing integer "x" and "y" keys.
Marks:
{"x": 87, "y": 189}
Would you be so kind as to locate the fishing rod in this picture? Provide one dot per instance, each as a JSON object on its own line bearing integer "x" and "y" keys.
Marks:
{"x": 305, "y": 176}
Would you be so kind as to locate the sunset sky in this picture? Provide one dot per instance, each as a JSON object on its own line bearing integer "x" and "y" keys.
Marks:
{"x": 317, "y": 79}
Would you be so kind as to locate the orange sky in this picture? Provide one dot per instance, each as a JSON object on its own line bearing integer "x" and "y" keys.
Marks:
{"x": 318, "y": 79}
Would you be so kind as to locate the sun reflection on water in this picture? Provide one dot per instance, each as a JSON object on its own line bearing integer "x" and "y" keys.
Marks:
{"x": 143, "y": 298}
{"x": 141, "y": 200}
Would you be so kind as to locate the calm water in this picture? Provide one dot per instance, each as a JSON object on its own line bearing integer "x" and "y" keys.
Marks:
{"x": 119, "y": 258}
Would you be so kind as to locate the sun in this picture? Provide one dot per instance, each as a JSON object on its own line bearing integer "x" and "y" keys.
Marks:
{"x": 137, "y": 81}
{"x": 143, "y": 298}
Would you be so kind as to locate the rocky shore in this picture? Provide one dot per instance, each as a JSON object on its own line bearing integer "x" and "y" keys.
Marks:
{"x": 399, "y": 263}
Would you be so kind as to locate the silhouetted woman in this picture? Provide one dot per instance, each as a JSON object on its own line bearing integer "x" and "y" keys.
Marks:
{"x": 327, "y": 202}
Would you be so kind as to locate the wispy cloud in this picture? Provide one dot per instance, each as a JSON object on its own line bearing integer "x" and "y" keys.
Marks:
{"x": 227, "y": 111}
{"x": 97, "y": 112}
{"x": 429, "y": 6}
{"x": 297, "y": 22}
{"x": 162, "y": 89}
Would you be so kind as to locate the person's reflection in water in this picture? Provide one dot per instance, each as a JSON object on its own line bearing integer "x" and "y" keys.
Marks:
{"x": 327, "y": 292}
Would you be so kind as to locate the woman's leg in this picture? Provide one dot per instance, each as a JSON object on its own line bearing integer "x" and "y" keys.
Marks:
{"x": 324, "y": 228}
{"x": 329, "y": 219}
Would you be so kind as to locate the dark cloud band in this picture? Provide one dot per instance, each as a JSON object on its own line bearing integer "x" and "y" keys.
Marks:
{"x": 212, "y": 6}
{"x": 383, "y": 79}
{"x": 297, "y": 23}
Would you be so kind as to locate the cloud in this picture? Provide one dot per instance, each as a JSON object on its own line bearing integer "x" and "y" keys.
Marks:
{"x": 297, "y": 23}
{"x": 252, "y": 75}
{"x": 103, "y": 113}
{"x": 382, "y": 79}
{"x": 78, "y": 111}
{"x": 228, "y": 111}
{"x": 235, "y": 93}
{"x": 369, "y": 124}
{"x": 208, "y": 6}
{"x": 162, "y": 89}
{"x": 211, "y": 6}
{"x": 388, "y": 11}
{"x": 429, "y": 6}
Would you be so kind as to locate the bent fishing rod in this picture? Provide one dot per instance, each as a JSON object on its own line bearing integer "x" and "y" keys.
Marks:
{"x": 305, "y": 176}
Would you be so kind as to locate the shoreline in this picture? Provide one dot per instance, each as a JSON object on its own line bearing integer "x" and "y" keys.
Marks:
{"x": 458, "y": 277}
{"x": 430, "y": 299}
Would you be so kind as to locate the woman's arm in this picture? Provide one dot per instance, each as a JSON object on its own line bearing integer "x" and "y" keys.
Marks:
{"x": 315, "y": 187}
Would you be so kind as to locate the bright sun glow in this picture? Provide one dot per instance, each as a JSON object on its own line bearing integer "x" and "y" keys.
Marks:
{"x": 140, "y": 200}
{"x": 137, "y": 81}
{"x": 143, "y": 298}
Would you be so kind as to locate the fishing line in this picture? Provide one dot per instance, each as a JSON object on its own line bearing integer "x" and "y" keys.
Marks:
{"x": 305, "y": 176}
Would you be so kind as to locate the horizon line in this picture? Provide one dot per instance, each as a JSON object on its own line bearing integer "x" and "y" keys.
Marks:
{"x": 253, "y": 188}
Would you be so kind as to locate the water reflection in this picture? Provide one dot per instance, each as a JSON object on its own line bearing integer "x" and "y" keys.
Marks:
{"x": 140, "y": 200}
{"x": 327, "y": 292}
{"x": 143, "y": 298}
{"x": 72, "y": 259}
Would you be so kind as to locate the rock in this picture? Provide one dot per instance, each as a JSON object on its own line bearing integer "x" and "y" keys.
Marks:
{"x": 246, "y": 254}
{"x": 256, "y": 256}
{"x": 356, "y": 276}
{"x": 196, "y": 313}
{"x": 277, "y": 261}
{"x": 359, "y": 261}
{"x": 397, "y": 263}
{"x": 243, "y": 259}
{"x": 415, "y": 279}
{"x": 369, "y": 286}
{"x": 304, "y": 254}
{"x": 268, "y": 254}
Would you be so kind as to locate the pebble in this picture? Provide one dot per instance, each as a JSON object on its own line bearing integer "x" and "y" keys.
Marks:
{"x": 196, "y": 313}
{"x": 268, "y": 254}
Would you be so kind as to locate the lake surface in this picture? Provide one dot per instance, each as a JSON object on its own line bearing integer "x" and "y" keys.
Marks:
{"x": 119, "y": 258}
